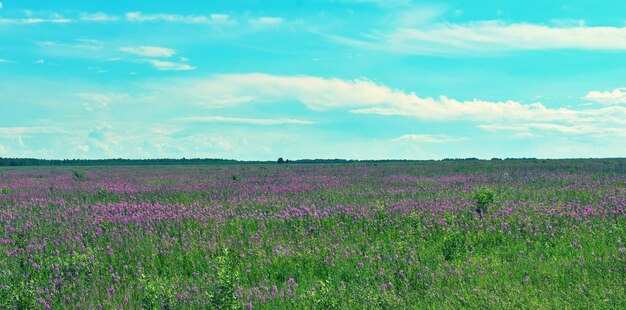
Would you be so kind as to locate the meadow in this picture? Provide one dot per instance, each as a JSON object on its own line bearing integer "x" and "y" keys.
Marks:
{"x": 532, "y": 234}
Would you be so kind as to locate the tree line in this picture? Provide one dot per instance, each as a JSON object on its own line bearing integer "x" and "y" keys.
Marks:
{"x": 15, "y": 162}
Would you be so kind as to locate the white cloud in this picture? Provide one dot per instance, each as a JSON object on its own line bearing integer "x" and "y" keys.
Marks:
{"x": 135, "y": 17}
{"x": 362, "y": 96}
{"x": 583, "y": 129}
{"x": 53, "y": 19}
{"x": 65, "y": 48}
{"x": 315, "y": 92}
{"x": 169, "y": 66}
{"x": 6, "y": 61}
{"x": 164, "y": 130}
{"x": 139, "y": 17}
{"x": 173, "y": 18}
{"x": 425, "y": 138}
{"x": 98, "y": 17}
{"x": 367, "y": 97}
{"x": 492, "y": 37}
{"x": 267, "y": 20}
{"x": 149, "y": 51}
{"x": 102, "y": 97}
{"x": 16, "y": 132}
{"x": 84, "y": 148}
{"x": 223, "y": 101}
{"x": 524, "y": 135}
{"x": 251, "y": 121}
{"x": 220, "y": 18}
{"x": 383, "y": 3}
{"x": 1, "y": 5}
{"x": 40, "y": 62}
{"x": 100, "y": 100}
{"x": 2, "y": 148}
{"x": 617, "y": 96}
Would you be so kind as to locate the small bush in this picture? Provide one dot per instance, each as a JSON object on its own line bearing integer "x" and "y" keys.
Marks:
{"x": 453, "y": 246}
{"x": 483, "y": 198}
{"x": 79, "y": 175}
{"x": 157, "y": 293}
{"x": 224, "y": 295}
{"x": 324, "y": 295}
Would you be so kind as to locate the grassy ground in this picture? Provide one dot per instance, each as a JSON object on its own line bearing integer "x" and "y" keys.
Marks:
{"x": 496, "y": 234}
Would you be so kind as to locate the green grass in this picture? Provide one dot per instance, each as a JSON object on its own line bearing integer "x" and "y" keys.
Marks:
{"x": 409, "y": 245}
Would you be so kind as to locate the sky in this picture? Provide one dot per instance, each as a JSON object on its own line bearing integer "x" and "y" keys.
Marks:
{"x": 355, "y": 79}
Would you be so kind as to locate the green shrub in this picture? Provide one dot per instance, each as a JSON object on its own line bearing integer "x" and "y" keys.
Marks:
{"x": 158, "y": 293}
{"x": 453, "y": 246}
{"x": 324, "y": 295}
{"x": 224, "y": 295}
{"x": 21, "y": 296}
{"x": 79, "y": 175}
{"x": 483, "y": 198}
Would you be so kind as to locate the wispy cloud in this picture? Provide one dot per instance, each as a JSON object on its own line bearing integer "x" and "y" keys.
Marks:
{"x": 382, "y": 3}
{"x": 137, "y": 17}
{"x": 101, "y": 101}
{"x": 617, "y": 96}
{"x": 98, "y": 17}
{"x": 15, "y": 132}
{"x": 221, "y": 18}
{"x": 583, "y": 129}
{"x": 215, "y": 19}
{"x": 315, "y": 92}
{"x": 149, "y": 51}
{"x": 169, "y": 65}
{"x": 32, "y": 21}
{"x": 79, "y": 44}
{"x": 251, "y": 121}
{"x": 426, "y": 138}
{"x": 362, "y": 96}
{"x": 173, "y": 18}
{"x": 85, "y": 48}
{"x": 491, "y": 37}
{"x": 267, "y": 20}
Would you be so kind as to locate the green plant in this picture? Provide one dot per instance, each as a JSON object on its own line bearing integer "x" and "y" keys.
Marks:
{"x": 224, "y": 295}
{"x": 21, "y": 296}
{"x": 453, "y": 246}
{"x": 324, "y": 296}
{"x": 79, "y": 175}
{"x": 483, "y": 198}
{"x": 158, "y": 294}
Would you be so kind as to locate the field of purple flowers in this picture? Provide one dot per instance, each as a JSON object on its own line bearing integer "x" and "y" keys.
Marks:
{"x": 451, "y": 234}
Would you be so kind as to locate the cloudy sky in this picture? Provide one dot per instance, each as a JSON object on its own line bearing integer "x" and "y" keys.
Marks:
{"x": 362, "y": 79}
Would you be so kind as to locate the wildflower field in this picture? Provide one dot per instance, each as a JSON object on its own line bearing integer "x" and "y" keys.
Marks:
{"x": 395, "y": 235}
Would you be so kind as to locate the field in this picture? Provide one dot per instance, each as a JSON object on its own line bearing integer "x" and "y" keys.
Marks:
{"x": 396, "y": 235}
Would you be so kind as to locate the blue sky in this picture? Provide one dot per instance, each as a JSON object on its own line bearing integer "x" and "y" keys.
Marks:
{"x": 362, "y": 79}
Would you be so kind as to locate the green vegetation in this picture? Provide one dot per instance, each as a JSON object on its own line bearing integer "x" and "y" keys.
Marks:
{"x": 404, "y": 235}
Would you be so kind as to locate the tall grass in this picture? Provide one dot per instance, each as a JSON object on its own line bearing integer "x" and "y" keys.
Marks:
{"x": 351, "y": 236}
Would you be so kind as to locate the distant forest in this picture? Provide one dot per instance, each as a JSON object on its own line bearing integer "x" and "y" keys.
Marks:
{"x": 14, "y": 162}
